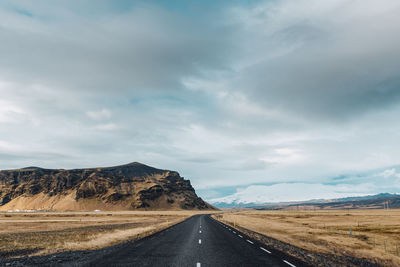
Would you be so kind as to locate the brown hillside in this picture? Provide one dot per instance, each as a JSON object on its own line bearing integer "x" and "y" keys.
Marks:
{"x": 127, "y": 187}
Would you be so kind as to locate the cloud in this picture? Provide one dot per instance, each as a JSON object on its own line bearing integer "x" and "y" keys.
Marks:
{"x": 144, "y": 48}
{"x": 230, "y": 94}
{"x": 99, "y": 115}
{"x": 390, "y": 173}
{"x": 284, "y": 156}
{"x": 290, "y": 192}
{"x": 323, "y": 60}
{"x": 106, "y": 127}
{"x": 356, "y": 184}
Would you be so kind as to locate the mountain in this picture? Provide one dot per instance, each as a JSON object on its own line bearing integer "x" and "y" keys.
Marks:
{"x": 126, "y": 187}
{"x": 360, "y": 202}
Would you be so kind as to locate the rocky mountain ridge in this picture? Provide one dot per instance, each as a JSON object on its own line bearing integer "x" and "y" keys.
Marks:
{"x": 126, "y": 187}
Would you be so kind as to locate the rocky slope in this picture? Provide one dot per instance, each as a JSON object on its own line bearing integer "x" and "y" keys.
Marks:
{"x": 127, "y": 187}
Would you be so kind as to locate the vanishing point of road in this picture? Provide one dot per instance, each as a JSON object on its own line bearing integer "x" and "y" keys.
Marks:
{"x": 199, "y": 241}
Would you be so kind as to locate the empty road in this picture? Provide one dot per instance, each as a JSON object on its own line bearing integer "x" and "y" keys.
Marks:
{"x": 199, "y": 241}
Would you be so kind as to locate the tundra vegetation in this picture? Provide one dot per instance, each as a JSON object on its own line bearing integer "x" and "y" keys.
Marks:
{"x": 43, "y": 233}
{"x": 370, "y": 234}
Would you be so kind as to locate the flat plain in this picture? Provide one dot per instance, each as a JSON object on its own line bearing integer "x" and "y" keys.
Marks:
{"x": 43, "y": 233}
{"x": 369, "y": 234}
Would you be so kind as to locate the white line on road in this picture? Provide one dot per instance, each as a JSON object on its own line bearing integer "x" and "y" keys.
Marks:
{"x": 288, "y": 263}
{"x": 266, "y": 250}
{"x": 234, "y": 232}
{"x": 240, "y": 236}
{"x": 249, "y": 241}
{"x": 198, "y": 264}
{"x": 199, "y": 241}
{"x": 200, "y": 232}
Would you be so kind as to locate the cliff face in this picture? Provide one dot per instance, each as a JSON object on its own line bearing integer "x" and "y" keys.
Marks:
{"x": 126, "y": 187}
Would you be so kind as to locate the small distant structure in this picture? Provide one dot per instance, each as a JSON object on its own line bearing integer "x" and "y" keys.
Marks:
{"x": 17, "y": 210}
{"x": 97, "y": 210}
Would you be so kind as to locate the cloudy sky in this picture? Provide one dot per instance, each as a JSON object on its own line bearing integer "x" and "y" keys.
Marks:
{"x": 250, "y": 100}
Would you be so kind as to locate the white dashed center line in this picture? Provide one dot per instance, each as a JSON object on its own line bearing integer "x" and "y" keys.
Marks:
{"x": 266, "y": 250}
{"x": 240, "y": 236}
{"x": 198, "y": 264}
{"x": 200, "y": 232}
{"x": 288, "y": 263}
{"x": 199, "y": 241}
{"x": 249, "y": 241}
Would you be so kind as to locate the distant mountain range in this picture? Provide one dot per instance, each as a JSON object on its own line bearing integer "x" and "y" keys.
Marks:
{"x": 367, "y": 202}
{"x": 126, "y": 187}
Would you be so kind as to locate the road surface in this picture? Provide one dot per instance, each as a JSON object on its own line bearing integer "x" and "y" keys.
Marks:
{"x": 199, "y": 241}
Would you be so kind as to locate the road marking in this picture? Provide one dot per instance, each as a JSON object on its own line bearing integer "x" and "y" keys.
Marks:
{"x": 234, "y": 232}
{"x": 266, "y": 250}
{"x": 240, "y": 236}
{"x": 199, "y": 241}
{"x": 200, "y": 232}
{"x": 288, "y": 263}
{"x": 249, "y": 241}
{"x": 198, "y": 264}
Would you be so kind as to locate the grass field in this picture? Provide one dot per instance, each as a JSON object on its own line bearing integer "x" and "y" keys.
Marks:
{"x": 359, "y": 233}
{"x": 43, "y": 233}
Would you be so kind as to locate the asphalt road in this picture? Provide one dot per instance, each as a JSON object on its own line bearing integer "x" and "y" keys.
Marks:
{"x": 199, "y": 241}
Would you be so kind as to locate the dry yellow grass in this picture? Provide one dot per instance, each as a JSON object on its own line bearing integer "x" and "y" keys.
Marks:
{"x": 49, "y": 232}
{"x": 374, "y": 233}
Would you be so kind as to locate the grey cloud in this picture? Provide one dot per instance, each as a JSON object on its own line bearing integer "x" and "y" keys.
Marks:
{"x": 146, "y": 48}
{"x": 328, "y": 66}
{"x": 92, "y": 88}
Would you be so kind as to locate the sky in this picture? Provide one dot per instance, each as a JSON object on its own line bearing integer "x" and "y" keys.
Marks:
{"x": 253, "y": 101}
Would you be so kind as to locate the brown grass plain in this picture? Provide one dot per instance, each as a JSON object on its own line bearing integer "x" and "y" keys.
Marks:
{"x": 369, "y": 234}
{"x": 43, "y": 233}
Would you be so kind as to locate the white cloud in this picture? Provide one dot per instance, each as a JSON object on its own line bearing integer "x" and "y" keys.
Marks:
{"x": 106, "y": 127}
{"x": 390, "y": 173}
{"x": 10, "y": 112}
{"x": 285, "y": 156}
{"x": 292, "y": 192}
{"x": 99, "y": 114}
{"x": 9, "y": 147}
